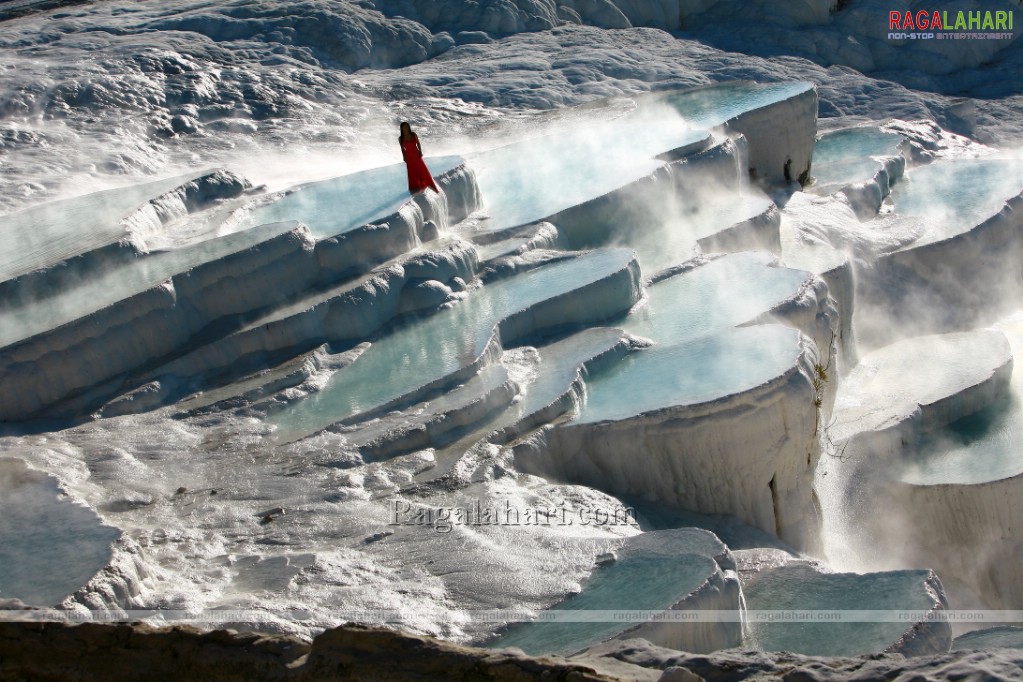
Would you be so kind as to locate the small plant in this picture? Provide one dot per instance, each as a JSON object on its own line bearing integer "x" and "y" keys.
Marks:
{"x": 820, "y": 377}
{"x": 819, "y": 381}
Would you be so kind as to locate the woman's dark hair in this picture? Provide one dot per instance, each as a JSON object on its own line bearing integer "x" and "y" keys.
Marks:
{"x": 405, "y": 126}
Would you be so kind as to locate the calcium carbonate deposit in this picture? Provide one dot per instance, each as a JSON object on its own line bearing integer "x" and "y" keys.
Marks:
{"x": 712, "y": 319}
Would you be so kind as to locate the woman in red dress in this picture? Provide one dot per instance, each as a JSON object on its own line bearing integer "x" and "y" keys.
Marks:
{"x": 419, "y": 177}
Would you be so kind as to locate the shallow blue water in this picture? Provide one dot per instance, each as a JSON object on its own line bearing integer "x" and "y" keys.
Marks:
{"x": 641, "y": 583}
{"x": 1004, "y": 637}
{"x": 533, "y": 179}
{"x": 339, "y": 205}
{"x": 854, "y": 143}
{"x": 329, "y": 207}
{"x": 49, "y": 546}
{"x": 845, "y": 172}
{"x": 849, "y": 156}
{"x": 125, "y": 281}
{"x": 560, "y": 364}
{"x": 722, "y": 293}
{"x": 712, "y": 106}
{"x": 800, "y": 589}
{"x": 957, "y": 195}
{"x": 698, "y": 357}
{"x": 58, "y": 230}
{"x": 700, "y": 370}
{"x": 983, "y": 447}
{"x": 536, "y": 178}
{"x": 436, "y": 346}
{"x": 654, "y": 571}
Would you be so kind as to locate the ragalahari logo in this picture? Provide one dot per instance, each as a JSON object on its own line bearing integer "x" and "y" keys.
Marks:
{"x": 944, "y": 25}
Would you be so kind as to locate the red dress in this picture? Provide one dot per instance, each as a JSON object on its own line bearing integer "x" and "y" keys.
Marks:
{"x": 419, "y": 177}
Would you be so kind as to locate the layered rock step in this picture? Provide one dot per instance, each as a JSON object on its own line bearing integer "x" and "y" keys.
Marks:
{"x": 960, "y": 486}
{"x": 448, "y": 347}
{"x": 923, "y": 452}
{"x": 339, "y": 205}
{"x": 959, "y": 270}
{"x": 802, "y": 590}
{"x": 728, "y": 416}
{"x": 664, "y": 186}
{"x": 392, "y": 370}
{"x": 860, "y": 163}
{"x": 815, "y": 235}
{"x": 1004, "y": 637}
{"x": 524, "y": 389}
{"x": 670, "y": 570}
{"x": 154, "y": 306}
{"x": 894, "y": 395}
{"x": 53, "y": 246}
{"x": 342, "y": 315}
